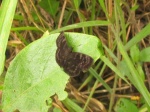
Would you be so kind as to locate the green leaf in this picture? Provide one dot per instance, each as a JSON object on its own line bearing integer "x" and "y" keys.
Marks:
{"x": 138, "y": 37}
{"x": 145, "y": 55}
{"x": 7, "y": 10}
{"x": 71, "y": 105}
{"x": 135, "y": 53}
{"x": 83, "y": 24}
{"x": 50, "y": 6}
{"x": 57, "y": 110}
{"x": 124, "y": 68}
{"x": 34, "y": 76}
{"x": 125, "y": 105}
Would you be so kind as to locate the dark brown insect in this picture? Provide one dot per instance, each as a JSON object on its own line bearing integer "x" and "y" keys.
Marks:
{"x": 72, "y": 62}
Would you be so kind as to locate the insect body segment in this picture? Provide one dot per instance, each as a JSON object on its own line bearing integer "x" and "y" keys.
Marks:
{"x": 72, "y": 62}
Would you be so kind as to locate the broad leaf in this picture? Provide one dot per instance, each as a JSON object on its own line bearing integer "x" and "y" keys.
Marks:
{"x": 125, "y": 105}
{"x": 34, "y": 76}
{"x": 145, "y": 55}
